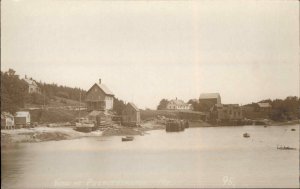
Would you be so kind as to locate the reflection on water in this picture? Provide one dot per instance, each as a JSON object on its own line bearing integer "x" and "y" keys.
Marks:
{"x": 197, "y": 157}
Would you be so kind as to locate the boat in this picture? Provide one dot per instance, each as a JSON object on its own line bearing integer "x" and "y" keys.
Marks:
{"x": 246, "y": 135}
{"x": 285, "y": 148}
{"x": 127, "y": 138}
{"x": 293, "y": 129}
{"x": 174, "y": 125}
{"x": 84, "y": 125}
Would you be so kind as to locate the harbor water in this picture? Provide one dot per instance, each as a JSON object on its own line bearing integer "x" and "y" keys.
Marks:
{"x": 197, "y": 157}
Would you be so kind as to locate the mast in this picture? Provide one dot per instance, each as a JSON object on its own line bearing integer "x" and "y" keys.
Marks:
{"x": 79, "y": 102}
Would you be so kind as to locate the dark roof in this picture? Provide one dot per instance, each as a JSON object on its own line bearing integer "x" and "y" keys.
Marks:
{"x": 209, "y": 95}
{"x": 103, "y": 88}
{"x": 133, "y": 105}
{"x": 264, "y": 105}
{"x": 30, "y": 81}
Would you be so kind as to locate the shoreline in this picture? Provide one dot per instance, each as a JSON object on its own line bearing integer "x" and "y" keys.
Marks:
{"x": 42, "y": 133}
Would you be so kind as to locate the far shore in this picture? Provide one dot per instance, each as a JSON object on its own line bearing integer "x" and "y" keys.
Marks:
{"x": 43, "y": 133}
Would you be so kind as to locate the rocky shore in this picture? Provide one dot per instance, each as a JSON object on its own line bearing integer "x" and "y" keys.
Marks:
{"x": 43, "y": 133}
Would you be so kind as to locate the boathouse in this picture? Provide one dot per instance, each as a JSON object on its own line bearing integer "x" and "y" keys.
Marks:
{"x": 22, "y": 119}
{"x": 131, "y": 115}
{"x": 99, "y": 98}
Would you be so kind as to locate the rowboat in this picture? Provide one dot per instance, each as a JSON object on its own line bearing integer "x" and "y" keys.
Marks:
{"x": 285, "y": 148}
{"x": 127, "y": 138}
{"x": 84, "y": 125}
{"x": 246, "y": 135}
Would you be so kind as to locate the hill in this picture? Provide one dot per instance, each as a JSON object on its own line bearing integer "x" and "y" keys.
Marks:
{"x": 15, "y": 94}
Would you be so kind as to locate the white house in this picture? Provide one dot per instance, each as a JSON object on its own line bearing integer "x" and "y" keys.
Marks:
{"x": 176, "y": 104}
{"x": 32, "y": 85}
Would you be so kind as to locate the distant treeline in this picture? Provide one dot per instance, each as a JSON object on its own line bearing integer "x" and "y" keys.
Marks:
{"x": 281, "y": 110}
{"x": 52, "y": 90}
{"x": 287, "y": 109}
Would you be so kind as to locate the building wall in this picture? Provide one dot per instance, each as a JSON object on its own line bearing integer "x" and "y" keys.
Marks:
{"x": 96, "y": 99}
{"x": 95, "y": 105}
{"x": 95, "y": 94}
{"x": 33, "y": 89}
{"x": 230, "y": 112}
{"x": 22, "y": 120}
{"x": 172, "y": 106}
{"x": 7, "y": 122}
{"x": 226, "y": 112}
{"x": 130, "y": 116}
{"x": 209, "y": 103}
{"x": 109, "y": 102}
{"x": 212, "y": 101}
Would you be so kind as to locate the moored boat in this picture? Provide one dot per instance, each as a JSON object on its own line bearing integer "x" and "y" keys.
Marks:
{"x": 246, "y": 135}
{"x": 84, "y": 125}
{"x": 127, "y": 138}
{"x": 285, "y": 148}
{"x": 173, "y": 125}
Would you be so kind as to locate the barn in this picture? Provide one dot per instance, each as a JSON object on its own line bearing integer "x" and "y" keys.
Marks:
{"x": 99, "y": 98}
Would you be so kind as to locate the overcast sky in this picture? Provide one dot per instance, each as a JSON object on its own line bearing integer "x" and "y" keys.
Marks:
{"x": 148, "y": 50}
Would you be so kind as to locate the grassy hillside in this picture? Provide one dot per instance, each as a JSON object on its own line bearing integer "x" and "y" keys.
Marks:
{"x": 55, "y": 115}
{"x": 57, "y": 102}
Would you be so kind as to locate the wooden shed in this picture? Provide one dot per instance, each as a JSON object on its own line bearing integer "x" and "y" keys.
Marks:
{"x": 22, "y": 119}
{"x": 131, "y": 115}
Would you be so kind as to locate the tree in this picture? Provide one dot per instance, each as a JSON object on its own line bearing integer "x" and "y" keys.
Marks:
{"x": 163, "y": 104}
{"x": 118, "y": 106}
{"x": 13, "y": 91}
{"x": 195, "y": 104}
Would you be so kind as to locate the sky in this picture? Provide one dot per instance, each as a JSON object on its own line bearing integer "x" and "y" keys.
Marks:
{"x": 148, "y": 50}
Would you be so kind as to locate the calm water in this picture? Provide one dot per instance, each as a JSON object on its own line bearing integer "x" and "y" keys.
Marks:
{"x": 197, "y": 157}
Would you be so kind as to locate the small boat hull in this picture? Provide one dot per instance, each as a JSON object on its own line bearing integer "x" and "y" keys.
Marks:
{"x": 285, "y": 148}
{"x": 127, "y": 138}
{"x": 84, "y": 129}
{"x": 246, "y": 135}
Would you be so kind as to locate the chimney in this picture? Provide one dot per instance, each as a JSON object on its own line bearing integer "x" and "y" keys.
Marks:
{"x": 25, "y": 76}
{"x": 99, "y": 81}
